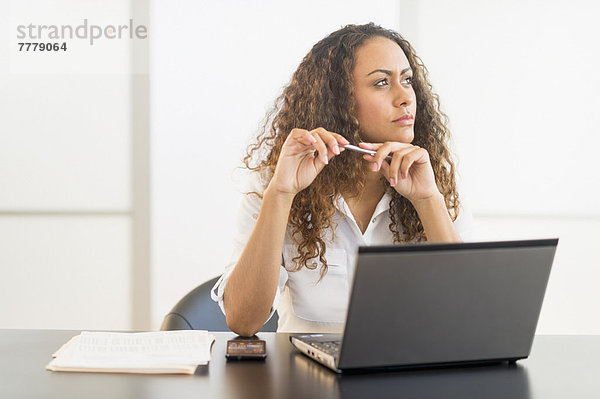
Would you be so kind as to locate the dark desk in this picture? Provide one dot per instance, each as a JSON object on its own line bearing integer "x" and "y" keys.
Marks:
{"x": 559, "y": 367}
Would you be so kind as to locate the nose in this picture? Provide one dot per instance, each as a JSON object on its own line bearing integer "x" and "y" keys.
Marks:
{"x": 403, "y": 96}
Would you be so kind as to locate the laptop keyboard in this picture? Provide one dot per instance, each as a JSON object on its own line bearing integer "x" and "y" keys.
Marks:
{"x": 330, "y": 347}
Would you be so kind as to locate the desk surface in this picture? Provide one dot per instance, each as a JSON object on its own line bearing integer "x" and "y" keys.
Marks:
{"x": 559, "y": 367}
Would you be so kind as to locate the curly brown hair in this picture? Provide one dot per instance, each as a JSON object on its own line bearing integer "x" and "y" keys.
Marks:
{"x": 320, "y": 94}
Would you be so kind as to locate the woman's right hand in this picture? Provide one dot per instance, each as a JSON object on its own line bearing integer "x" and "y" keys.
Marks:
{"x": 297, "y": 165}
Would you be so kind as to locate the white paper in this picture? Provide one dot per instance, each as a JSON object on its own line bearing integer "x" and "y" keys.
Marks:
{"x": 148, "y": 350}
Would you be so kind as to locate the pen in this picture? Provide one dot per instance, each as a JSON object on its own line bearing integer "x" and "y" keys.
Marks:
{"x": 362, "y": 150}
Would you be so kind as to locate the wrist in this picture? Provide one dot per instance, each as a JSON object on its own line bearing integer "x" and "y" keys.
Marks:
{"x": 275, "y": 194}
{"x": 432, "y": 201}
{"x": 436, "y": 220}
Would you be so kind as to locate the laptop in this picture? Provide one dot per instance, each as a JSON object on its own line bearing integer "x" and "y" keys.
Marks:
{"x": 429, "y": 305}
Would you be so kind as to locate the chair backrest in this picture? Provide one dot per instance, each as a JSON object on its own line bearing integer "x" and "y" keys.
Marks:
{"x": 197, "y": 311}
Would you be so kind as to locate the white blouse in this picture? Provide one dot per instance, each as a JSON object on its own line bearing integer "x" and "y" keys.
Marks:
{"x": 304, "y": 304}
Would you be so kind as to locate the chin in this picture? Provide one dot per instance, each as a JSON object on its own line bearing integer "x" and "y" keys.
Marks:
{"x": 405, "y": 137}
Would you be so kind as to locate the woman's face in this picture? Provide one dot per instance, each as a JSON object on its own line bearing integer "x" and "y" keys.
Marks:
{"x": 385, "y": 99}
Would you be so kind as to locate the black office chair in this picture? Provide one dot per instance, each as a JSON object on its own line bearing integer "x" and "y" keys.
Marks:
{"x": 197, "y": 311}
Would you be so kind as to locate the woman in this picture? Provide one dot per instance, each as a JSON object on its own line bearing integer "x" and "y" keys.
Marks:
{"x": 311, "y": 203}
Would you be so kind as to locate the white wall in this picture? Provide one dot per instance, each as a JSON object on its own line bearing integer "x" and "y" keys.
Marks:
{"x": 519, "y": 81}
{"x": 65, "y": 174}
{"x": 215, "y": 68}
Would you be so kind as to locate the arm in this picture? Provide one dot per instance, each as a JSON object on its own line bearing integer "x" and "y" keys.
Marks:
{"x": 253, "y": 282}
{"x": 252, "y": 285}
{"x": 436, "y": 220}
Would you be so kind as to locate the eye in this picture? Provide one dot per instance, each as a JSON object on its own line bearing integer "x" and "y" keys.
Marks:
{"x": 408, "y": 80}
{"x": 382, "y": 82}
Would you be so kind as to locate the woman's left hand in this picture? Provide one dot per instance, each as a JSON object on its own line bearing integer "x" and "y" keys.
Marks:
{"x": 409, "y": 171}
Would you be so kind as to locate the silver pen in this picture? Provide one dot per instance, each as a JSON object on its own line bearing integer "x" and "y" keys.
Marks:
{"x": 363, "y": 151}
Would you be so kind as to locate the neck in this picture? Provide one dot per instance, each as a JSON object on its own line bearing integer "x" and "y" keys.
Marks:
{"x": 373, "y": 189}
{"x": 363, "y": 205}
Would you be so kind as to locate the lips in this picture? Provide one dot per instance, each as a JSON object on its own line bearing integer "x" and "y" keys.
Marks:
{"x": 404, "y": 120}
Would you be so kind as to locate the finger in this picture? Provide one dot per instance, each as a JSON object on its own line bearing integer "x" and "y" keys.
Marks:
{"x": 396, "y": 145}
{"x": 370, "y": 158}
{"x": 330, "y": 140}
{"x": 397, "y": 158}
{"x": 385, "y": 170}
{"x": 303, "y": 136}
{"x": 369, "y": 146}
{"x": 340, "y": 139}
{"x": 378, "y": 167}
{"x": 321, "y": 148}
{"x": 408, "y": 160}
{"x": 297, "y": 133}
{"x": 382, "y": 152}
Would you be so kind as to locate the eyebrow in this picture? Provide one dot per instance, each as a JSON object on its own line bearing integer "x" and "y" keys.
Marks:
{"x": 388, "y": 72}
